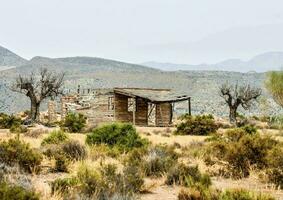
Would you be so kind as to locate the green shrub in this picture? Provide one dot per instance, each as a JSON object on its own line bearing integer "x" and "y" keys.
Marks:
{"x": 276, "y": 122}
{"x": 182, "y": 174}
{"x": 74, "y": 150}
{"x": 124, "y": 136}
{"x": 18, "y": 129}
{"x": 197, "y": 125}
{"x": 200, "y": 193}
{"x": 8, "y": 121}
{"x": 55, "y": 137}
{"x": 249, "y": 129}
{"x": 13, "y": 192}
{"x": 158, "y": 160}
{"x": 15, "y": 151}
{"x": 241, "y": 194}
{"x": 63, "y": 186}
{"x": 74, "y": 122}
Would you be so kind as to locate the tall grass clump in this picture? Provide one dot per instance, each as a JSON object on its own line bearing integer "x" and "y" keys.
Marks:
{"x": 158, "y": 160}
{"x": 188, "y": 176}
{"x": 196, "y": 125}
{"x": 123, "y": 136}
{"x": 102, "y": 183}
{"x": 74, "y": 150}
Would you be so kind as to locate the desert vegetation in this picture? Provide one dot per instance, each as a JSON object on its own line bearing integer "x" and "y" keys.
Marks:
{"x": 118, "y": 161}
{"x": 201, "y": 157}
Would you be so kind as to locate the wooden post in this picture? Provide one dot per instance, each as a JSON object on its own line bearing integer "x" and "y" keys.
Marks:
{"x": 189, "y": 106}
{"x": 78, "y": 91}
{"x": 172, "y": 112}
{"x": 134, "y": 111}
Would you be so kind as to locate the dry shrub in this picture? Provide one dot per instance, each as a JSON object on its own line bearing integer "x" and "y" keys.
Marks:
{"x": 156, "y": 132}
{"x": 155, "y": 161}
{"x": 158, "y": 160}
{"x": 63, "y": 186}
{"x": 275, "y": 163}
{"x": 36, "y": 133}
{"x": 240, "y": 152}
{"x": 61, "y": 163}
{"x": 18, "y": 129}
{"x": 194, "y": 149}
{"x": 16, "y": 152}
{"x": 14, "y": 192}
{"x": 241, "y": 194}
{"x": 102, "y": 183}
{"x": 184, "y": 175}
{"x": 200, "y": 193}
{"x": 168, "y": 130}
{"x": 103, "y": 151}
{"x": 196, "y": 125}
{"x": 165, "y": 135}
{"x": 65, "y": 153}
{"x": 74, "y": 150}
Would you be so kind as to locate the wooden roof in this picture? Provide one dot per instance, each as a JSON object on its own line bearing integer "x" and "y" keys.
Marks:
{"x": 153, "y": 95}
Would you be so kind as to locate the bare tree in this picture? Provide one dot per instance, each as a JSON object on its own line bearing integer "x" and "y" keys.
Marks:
{"x": 235, "y": 96}
{"x": 46, "y": 84}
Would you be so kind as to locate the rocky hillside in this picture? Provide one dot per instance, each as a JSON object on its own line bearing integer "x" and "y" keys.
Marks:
{"x": 9, "y": 59}
{"x": 202, "y": 86}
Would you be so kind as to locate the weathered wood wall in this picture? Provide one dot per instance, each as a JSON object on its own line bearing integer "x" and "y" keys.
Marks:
{"x": 123, "y": 115}
{"x": 121, "y": 109}
{"x": 163, "y": 114}
{"x": 141, "y": 113}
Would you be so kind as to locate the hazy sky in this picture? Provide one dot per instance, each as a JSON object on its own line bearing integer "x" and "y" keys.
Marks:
{"x": 180, "y": 31}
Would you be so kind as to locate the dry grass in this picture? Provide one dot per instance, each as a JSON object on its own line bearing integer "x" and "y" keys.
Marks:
{"x": 154, "y": 188}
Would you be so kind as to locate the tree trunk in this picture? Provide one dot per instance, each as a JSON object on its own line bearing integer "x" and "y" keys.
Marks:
{"x": 233, "y": 115}
{"x": 34, "y": 111}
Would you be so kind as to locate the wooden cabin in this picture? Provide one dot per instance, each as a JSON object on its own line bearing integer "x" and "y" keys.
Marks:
{"x": 140, "y": 106}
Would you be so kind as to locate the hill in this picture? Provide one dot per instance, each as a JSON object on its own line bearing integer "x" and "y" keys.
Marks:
{"x": 260, "y": 63}
{"x": 9, "y": 59}
{"x": 89, "y": 72}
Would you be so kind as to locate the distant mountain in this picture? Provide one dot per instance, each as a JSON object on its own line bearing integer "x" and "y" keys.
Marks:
{"x": 260, "y": 63}
{"x": 74, "y": 66}
{"x": 9, "y": 59}
{"x": 237, "y": 42}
